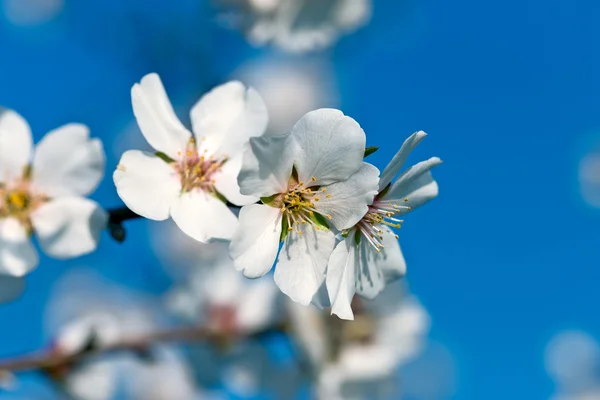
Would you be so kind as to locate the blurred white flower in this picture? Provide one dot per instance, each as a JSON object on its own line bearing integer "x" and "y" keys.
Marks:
{"x": 290, "y": 88}
{"x": 301, "y": 179}
{"x": 216, "y": 295}
{"x": 86, "y": 311}
{"x": 31, "y": 12}
{"x": 189, "y": 176}
{"x": 298, "y": 25}
{"x": 360, "y": 359}
{"x": 370, "y": 255}
{"x": 589, "y": 178}
{"x": 573, "y": 361}
{"x": 42, "y": 192}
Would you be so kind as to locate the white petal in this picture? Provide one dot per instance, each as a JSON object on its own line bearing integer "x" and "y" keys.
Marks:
{"x": 17, "y": 254}
{"x": 350, "y": 199}
{"x": 11, "y": 287}
{"x": 146, "y": 184}
{"x": 399, "y": 159}
{"x": 376, "y": 269}
{"x": 203, "y": 217}
{"x": 67, "y": 163}
{"x": 302, "y": 262}
{"x": 255, "y": 244}
{"x": 331, "y": 146}
{"x": 69, "y": 226}
{"x": 267, "y": 165}
{"x": 225, "y": 118}
{"x": 391, "y": 260}
{"x": 415, "y": 184}
{"x": 341, "y": 278}
{"x": 15, "y": 145}
{"x": 156, "y": 118}
{"x": 227, "y": 183}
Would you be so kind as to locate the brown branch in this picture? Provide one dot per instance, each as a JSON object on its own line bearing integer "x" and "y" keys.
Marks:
{"x": 53, "y": 359}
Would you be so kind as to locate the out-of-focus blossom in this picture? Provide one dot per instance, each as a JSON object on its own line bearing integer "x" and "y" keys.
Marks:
{"x": 42, "y": 193}
{"x": 87, "y": 312}
{"x": 214, "y": 294}
{"x": 31, "y": 12}
{"x": 589, "y": 178}
{"x": 290, "y": 88}
{"x": 301, "y": 179}
{"x": 370, "y": 256}
{"x": 573, "y": 361}
{"x": 360, "y": 359}
{"x": 190, "y": 176}
{"x": 297, "y": 25}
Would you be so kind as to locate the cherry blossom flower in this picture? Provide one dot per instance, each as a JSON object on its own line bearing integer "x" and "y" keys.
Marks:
{"x": 41, "y": 193}
{"x": 360, "y": 359}
{"x": 191, "y": 177}
{"x": 303, "y": 181}
{"x": 370, "y": 256}
{"x": 572, "y": 360}
{"x": 298, "y": 25}
{"x": 215, "y": 295}
{"x": 89, "y": 311}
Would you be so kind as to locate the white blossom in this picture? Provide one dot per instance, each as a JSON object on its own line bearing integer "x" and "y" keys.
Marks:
{"x": 301, "y": 179}
{"x": 87, "y": 311}
{"x": 573, "y": 360}
{"x": 215, "y": 295}
{"x": 42, "y": 193}
{"x": 190, "y": 175}
{"x": 360, "y": 359}
{"x": 298, "y": 25}
{"x": 370, "y": 256}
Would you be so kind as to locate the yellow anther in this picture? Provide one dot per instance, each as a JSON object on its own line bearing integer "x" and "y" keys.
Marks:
{"x": 121, "y": 167}
{"x": 329, "y": 216}
{"x": 313, "y": 179}
{"x": 396, "y": 236}
{"x": 324, "y": 190}
{"x": 178, "y": 153}
{"x": 406, "y": 199}
{"x": 189, "y": 153}
{"x": 328, "y": 196}
{"x": 299, "y": 232}
{"x": 316, "y": 199}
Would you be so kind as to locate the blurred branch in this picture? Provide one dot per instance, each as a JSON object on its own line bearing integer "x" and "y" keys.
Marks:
{"x": 54, "y": 359}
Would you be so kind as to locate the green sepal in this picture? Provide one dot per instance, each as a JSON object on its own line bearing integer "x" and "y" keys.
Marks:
{"x": 320, "y": 221}
{"x": 357, "y": 236}
{"x": 370, "y": 150}
{"x": 284, "y": 229}
{"x": 220, "y": 197}
{"x": 269, "y": 200}
{"x": 164, "y": 157}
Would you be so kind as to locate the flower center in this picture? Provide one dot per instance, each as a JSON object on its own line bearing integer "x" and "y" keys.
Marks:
{"x": 18, "y": 201}
{"x": 298, "y": 205}
{"x": 381, "y": 212}
{"x": 197, "y": 171}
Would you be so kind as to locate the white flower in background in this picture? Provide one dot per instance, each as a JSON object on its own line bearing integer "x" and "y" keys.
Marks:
{"x": 214, "y": 294}
{"x": 31, "y": 12}
{"x": 191, "y": 175}
{"x": 298, "y": 25}
{"x": 291, "y": 88}
{"x": 87, "y": 311}
{"x": 361, "y": 359}
{"x": 573, "y": 361}
{"x": 370, "y": 256}
{"x": 41, "y": 193}
{"x": 303, "y": 181}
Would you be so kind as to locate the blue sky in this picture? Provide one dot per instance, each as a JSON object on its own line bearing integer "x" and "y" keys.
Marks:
{"x": 509, "y": 93}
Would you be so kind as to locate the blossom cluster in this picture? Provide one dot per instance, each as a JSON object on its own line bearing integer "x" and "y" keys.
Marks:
{"x": 309, "y": 203}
